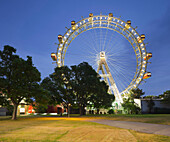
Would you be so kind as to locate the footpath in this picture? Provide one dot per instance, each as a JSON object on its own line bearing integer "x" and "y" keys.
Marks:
{"x": 158, "y": 129}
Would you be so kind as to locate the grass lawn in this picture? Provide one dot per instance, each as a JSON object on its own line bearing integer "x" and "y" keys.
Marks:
{"x": 146, "y": 118}
{"x": 68, "y": 130}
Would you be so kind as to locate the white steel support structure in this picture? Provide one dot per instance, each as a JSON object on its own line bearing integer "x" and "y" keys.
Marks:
{"x": 109, "y": 79}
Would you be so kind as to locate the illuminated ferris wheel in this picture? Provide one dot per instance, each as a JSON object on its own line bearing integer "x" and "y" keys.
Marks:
{"x": 112, "y": 46}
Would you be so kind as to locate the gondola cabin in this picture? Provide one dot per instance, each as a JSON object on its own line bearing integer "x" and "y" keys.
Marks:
{"x": 53, "y": 56}
{"x": 73, "y": 24}
{"x": 147, "y": 75}
{"x": 90, "y": 17}
{"x": 128, "y": 23}
{"x": 60, "y": 37}
{"x": 148, "y": 56}
{"x": 142, "y": 37}
{"x": 110, "y": 16}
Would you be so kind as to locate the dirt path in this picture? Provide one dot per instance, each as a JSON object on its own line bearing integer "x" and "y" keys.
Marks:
{"x": 137, "y": 126}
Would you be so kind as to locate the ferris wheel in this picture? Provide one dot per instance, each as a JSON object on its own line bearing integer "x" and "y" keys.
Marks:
{"x": 112, "y": 46}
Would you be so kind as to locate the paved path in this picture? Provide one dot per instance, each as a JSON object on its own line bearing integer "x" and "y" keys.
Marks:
{"x": 137, "y": 126}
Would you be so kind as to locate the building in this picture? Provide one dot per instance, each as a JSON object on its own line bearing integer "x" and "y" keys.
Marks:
{"x": 158, "y": 107}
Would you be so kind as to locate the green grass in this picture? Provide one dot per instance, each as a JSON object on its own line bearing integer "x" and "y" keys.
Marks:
{"x": 146, "y": 118}
{"x": 56, "y": 129}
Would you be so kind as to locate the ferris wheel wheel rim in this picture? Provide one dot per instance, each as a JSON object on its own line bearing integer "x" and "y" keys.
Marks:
{"x": 103, "y": 18}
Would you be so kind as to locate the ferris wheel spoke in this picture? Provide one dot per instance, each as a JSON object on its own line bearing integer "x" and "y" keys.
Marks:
{"x": 120, "y": 71}
{"x": 112, "y": 45}
{"x": 105, "y": 40}
{"x": 91, "y": 45}
{"x": 118, "y": 79}
{"x": 107, "y": 45}
{"x": 98, "y": 44}
{"x": 94, "y": 41}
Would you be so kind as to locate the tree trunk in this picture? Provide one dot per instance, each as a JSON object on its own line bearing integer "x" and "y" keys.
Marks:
{"x": 98, "y": 111}
{"x": 80, "y": 110}
{"x": 150, "y": 110}
{"x": 14, "y": 115}
{"x": 68, "y": 110}
{"x": 83, "y": 108}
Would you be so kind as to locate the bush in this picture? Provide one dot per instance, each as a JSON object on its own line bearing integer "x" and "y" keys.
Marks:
{"x": 10, "y": 109}
{"x": 40, "y": 109}
{"x": 161, "y": 110}
{"x": 111, "y": 111}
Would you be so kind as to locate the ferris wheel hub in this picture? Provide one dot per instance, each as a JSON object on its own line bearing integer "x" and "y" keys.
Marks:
{"x": 102, "y": 55}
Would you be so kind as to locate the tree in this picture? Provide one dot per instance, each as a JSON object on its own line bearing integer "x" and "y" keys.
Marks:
{"x": 150, "y": 104}
{"x": 101, "y": 99}
{"x": 130, "y": 106}
{"x": 88, "y": 87}
{"x": 18, "y": 77}
{"x": 166, "y": 97}
{"x": 4, "y": 100}
{"x": 52, "y": 92}
{"x": 62, "y": 78}
{"x": 136, "y": 93}
{"x": 79, "y": 84}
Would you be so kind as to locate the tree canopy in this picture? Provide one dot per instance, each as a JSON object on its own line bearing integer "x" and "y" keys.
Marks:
{"x": 136, "y": 93}
{"x": 79, "y": 84}
{"x": 18, "y": 77}
{"x": 129, "y": 104}
{"x": 166, "y": 97}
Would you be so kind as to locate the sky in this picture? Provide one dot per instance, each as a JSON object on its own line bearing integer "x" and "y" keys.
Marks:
{"x": 32, "y": 28}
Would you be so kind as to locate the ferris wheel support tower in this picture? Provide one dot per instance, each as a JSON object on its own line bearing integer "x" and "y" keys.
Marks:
{"x": 103, "y": 66}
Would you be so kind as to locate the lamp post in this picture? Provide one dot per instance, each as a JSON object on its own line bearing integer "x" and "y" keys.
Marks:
{"x": 69, "y": 109}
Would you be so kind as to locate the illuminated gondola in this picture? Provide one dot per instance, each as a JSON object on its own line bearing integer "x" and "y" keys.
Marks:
{"x": 128, "y": 23}
{"x": 60, "y": 37}
{"x": 73, "y": 25}
{"x": 110, "y": 16}
{"x": 53, "y": 56}
{"x": 147, "y": 75}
